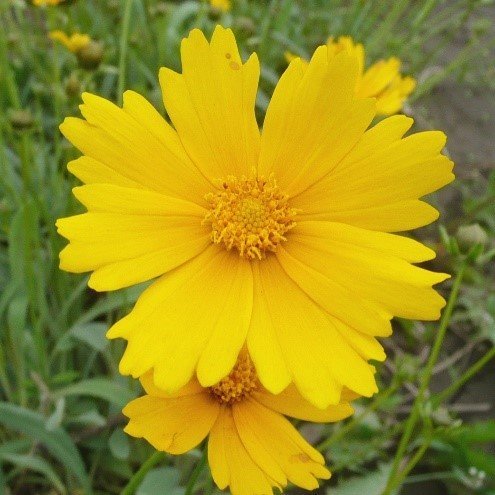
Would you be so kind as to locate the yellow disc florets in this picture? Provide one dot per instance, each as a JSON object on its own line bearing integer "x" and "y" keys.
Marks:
{"x": 251, "y": 215}
{"x": 240, "y": 383}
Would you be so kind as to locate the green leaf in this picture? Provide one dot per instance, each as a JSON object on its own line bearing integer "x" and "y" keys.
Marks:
{"x": 102, "y": 388}
{"x": 92, "y": 334}
{"x": 57, "y": 441}
{"x": 481, "y": 432}
{"x": 483, "y": 461}
{"x": 159, "y": 481}
{"x": 36, "y": 464}
{"x": 119, "y": 444}
{"x": 372, "y": 483}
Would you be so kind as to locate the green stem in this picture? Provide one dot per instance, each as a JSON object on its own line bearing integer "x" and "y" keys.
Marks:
{"x": 425, "y": 381}
{"x": 139, "y": 475}
{"x": 468, "y": 374}
{"x": 412, "y": 463}
{"x": 124, "y": 39}
{"x": 265, "y": 29}
{"x": 195, "y": 474}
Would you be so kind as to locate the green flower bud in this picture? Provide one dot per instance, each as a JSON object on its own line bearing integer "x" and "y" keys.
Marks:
{"x": 471, "y": 235}
{"x": 91, "y": 55}
{"x": 21, "y": 120}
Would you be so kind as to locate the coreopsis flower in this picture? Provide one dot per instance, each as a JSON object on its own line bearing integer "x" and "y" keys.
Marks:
{"x": 42, "y": 3}
{"x": 221, "y": 5}
{"x": 251, "y": 446}
{"x": 279, "y": 240}
{"x": 74, "y": 43}
{"x": 382, "y": 80}
{"x": 89, "y": 53}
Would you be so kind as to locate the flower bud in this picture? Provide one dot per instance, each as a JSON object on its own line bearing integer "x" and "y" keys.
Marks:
{"x": 72, "y": 86}
{"x": 90, "y": 56}
{"x": 21, "y": 120}
{"x": 471, "y": 235}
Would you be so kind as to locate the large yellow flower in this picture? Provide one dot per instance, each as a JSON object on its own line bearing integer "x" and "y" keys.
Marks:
{"x": 382, "y": 80}
{"x": 277, "y": 240}
{"x": 251, "y": 446}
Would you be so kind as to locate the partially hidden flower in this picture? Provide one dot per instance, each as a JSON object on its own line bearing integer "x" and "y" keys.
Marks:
{"x": 89, "y": 53}
{"x": 43, "y": 3}
{"x": 382, "y": 80}
{"x": 221, "y": 5}
{"x": 252, "y": 447}
{"x": 74, "y": 43}
{"x": 280, "y": 241}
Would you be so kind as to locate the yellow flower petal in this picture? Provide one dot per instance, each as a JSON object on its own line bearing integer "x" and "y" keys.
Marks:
{"x": 396, "y": 217}
{"x": 221, "y": 5}
{"x": 290, "y": 403}
{"x": 231, "y": 465}
{"x": 387, "y": 244}
{"x": 130, "y": 235}
{"x": 121, "y": 139}
{"x": 74, "y": 42}
{"x": 90, "y": 171}
{"x": 276, "y": 446}
{"x": 195, "y": 317}
{"x": 378, "y": 77}
{"x": 211, "y": 104}
{"x": 313, "y": 120}
{"x": 336, "y": 300}
{"x": 365, "y": 345}
{"x": 386, "y": 280}
{"x": 393, "y": 97}
{"x": 108, "y": 198}
{"x": 173, "y": 425}
{"x": 252, "y": 449}
{"x": 346, "y": 44}
{"x": 382, "y": 170}
{"x": 191, "y": 388}
{"x": 301, "y": 335}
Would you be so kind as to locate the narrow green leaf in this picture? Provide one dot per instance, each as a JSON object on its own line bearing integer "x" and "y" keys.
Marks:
{"x": 36, "y": 464}
{"x": 102, "y": 388}
{"x": 159, "y": 481}
{"x": 119, "y": 444}
{"x": 56, "y": 441}
{"x": 372, "y": 483}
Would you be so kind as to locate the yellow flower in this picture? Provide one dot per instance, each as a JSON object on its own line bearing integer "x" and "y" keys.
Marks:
{"x": 41, "y": 3}
{"x": 251, "y": 446}
{"x": 221, "y": 5}
{"x": 75, "y": 43}
{"x": 382, "y": 80}
{"x": 277, "y": 240}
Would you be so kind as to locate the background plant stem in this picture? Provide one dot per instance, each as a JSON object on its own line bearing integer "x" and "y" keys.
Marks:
{"x": 425, "y": 381}
{"x": 139, "y": 475}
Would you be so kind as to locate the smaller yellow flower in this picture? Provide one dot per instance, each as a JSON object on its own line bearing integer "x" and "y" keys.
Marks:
{"x": 382, "y": 80}
{"x": 252, "y": 447}
{"x": 42, "y": 3}
{"x": 75, "y": 43}
{"x": 221, "y": 5}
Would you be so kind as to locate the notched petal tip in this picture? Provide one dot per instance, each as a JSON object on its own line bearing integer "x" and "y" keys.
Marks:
{"x": 275, "y": 387}
{"x": 67, "y": 124}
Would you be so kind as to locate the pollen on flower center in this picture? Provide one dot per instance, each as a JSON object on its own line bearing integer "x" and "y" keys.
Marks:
{"x": 250, "y": 215}
{"x": 239, "y": 384}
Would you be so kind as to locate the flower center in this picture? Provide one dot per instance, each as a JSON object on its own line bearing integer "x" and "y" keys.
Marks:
{"x": 240, "y": 383}
{"x": 250, "y": 215}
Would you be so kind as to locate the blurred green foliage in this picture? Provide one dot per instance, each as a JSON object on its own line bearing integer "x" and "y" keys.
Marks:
{"x": 60, "y": 390}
